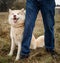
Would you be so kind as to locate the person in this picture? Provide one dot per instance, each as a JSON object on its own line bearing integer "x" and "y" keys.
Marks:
{"x": 47, "y": 8}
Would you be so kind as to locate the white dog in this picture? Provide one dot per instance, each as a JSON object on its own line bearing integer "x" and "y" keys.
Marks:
{"x": 16, "y": 20}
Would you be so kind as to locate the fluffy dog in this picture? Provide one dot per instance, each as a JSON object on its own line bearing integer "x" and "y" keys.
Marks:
{"x": 16, "y": 20}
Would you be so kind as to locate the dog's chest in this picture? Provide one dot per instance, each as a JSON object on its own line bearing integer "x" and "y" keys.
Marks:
{"x": 17, "y": 33}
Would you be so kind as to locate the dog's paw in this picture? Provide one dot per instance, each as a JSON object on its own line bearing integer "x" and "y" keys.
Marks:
{"x": 10, "y": 54}
{"x": 17, "y": 58}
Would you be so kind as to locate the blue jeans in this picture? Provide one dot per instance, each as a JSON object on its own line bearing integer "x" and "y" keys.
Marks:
{"x": 47, "y": 8}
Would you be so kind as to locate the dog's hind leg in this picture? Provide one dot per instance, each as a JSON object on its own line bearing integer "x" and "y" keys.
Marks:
{"x": 12, "y": 47}
{"x": 40, "y": 41}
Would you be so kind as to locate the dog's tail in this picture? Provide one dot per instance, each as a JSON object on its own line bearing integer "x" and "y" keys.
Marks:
{"x": 40, "y": 41}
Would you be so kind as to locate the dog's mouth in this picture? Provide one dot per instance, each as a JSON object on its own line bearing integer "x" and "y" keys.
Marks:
{"x": 15, "y": 19}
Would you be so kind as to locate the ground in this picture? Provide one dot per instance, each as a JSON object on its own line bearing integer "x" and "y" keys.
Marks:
{"x": 42, "y": 56}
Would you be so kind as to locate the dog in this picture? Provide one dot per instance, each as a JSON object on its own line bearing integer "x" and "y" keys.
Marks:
{"x": 16, "y": 20}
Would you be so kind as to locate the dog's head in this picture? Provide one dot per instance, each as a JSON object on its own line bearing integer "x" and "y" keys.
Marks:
{"x": 16, "y": 17}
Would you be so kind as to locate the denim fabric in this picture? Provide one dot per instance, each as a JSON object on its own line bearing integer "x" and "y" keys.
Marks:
{"x": 47, "y": 8}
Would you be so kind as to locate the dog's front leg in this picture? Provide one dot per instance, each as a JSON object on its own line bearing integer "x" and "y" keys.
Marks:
{"x": 12, "y": 47}
{"x": 18, "y": 52}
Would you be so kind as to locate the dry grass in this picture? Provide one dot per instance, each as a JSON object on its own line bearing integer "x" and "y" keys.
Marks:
{"x": 43, "y": 57}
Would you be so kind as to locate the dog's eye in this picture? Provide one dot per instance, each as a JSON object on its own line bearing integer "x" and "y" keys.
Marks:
{"x": 12, "y": 13}
{"x": 18, "y": 13}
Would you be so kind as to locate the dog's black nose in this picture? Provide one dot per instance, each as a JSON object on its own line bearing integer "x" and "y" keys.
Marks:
{"x": 14, "y": 16}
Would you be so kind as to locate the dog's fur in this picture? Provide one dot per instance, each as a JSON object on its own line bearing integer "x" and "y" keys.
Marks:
{"x": 16, "y": 20}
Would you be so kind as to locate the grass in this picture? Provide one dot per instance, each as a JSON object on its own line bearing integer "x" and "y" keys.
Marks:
{"x": 42, "y": 57}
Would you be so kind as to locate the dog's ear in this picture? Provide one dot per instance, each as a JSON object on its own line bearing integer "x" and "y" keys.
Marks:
{"x": 22, "y": 9}
{"x": 10, "y": 10}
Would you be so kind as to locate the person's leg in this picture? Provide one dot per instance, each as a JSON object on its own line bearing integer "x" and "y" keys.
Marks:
{"x": 48, "y": 10}
{"x": 31, "y": 14}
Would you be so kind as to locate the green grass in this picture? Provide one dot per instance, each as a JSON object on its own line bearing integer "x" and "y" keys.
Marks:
{"x": 43, "y": 57}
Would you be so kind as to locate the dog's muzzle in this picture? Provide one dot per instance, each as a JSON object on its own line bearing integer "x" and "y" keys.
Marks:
{"x": 15, "y": 20}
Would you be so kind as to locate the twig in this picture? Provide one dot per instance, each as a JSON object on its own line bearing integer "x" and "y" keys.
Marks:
{"x": 34, "y": 55}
